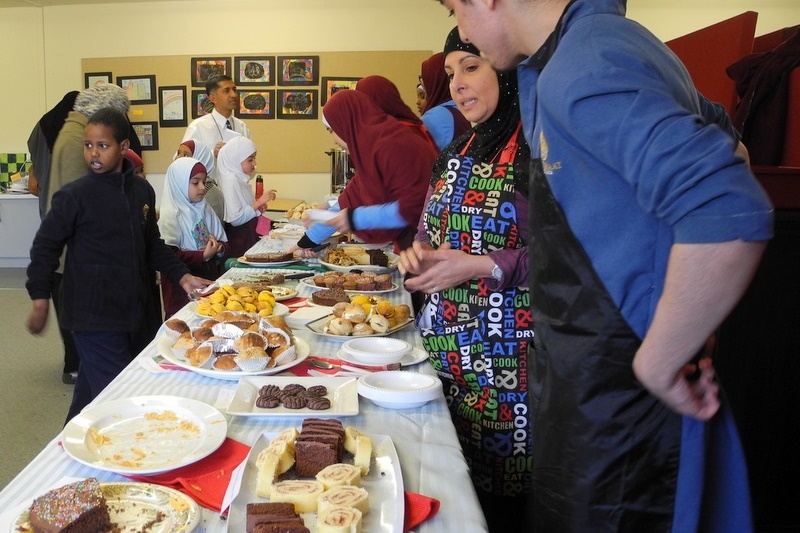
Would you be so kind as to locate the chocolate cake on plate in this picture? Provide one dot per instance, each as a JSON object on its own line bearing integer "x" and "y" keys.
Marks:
{"x": 79, "y": 507}
{"x": 330, "y": 297}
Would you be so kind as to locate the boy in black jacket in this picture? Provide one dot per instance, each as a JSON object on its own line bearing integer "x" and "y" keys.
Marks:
{"x": 107, "y": 220}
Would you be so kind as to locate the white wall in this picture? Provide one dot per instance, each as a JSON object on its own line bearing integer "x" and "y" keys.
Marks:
{"x": 48, "y": 43}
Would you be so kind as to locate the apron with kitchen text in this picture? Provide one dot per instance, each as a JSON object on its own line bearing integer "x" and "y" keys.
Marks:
{"x": 477, "y": 338}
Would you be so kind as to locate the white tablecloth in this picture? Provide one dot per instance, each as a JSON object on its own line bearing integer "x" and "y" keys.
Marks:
{"x": 425, "y": 439}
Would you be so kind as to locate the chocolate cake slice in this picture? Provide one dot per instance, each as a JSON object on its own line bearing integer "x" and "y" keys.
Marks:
{"x": 311, "y": 457}
{"x": 273, "y": 257}
{"x": 330, "y": 297}
{"x": 79, "y": 507}
{"x": 378, "y": 257}
{"x": 269, "y": 513}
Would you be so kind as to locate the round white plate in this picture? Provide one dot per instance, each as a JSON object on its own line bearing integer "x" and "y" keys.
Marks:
{"x": 243, "y": 261}
{"x": 144, "y": 434}
{"x": 397, "y": 389}
{"x": 277, "y": 310}
{"x": 394, "y": 260}
{"x": 415, "y": 356}
{"x": 309, "y": 282}
{"x": 319, "y": 215}
{"x": 164, "y": 345}
{"x": 135, "y": 507}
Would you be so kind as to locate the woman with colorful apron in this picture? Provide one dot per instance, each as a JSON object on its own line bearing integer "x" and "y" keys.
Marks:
{"x": 476, "y": 328}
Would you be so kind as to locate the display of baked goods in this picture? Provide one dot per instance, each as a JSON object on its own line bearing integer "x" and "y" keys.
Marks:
{"x": 330, "y": 297}
{"x": 268, "y": 257}
{"x": 296, "y": 213}
{"x": 231, "y": 341}
{"x": 353, "y": 281}
{"x": 317, "y": 469}
{"x": 365, "y": 316}
{"x": 356, "y": 255}
{"x": 78, "y": 507}
{"x": 237, "y": 297}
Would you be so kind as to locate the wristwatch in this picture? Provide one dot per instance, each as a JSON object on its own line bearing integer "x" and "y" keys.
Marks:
{"x": 497, "y": 273}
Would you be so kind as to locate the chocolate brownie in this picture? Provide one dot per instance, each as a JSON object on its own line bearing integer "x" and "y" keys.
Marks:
{"x": 330, "y": 297}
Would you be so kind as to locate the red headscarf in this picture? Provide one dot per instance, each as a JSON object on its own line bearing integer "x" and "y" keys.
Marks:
{"x": 392, "y": 163}
{"x": 434, "y": 78}
{"x": 384, "y": 93}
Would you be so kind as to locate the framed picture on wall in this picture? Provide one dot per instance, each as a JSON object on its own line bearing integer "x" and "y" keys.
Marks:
{"x": 147, "y": 133}
{"x": 141, "y": 89}
{"x": 90, "y": 79}
{"x": 254, "y": 70}
{"x": 205, "y": 67}
{"x": 298, "y": 70}
{"x": 331, "y": 85}
{"x": 172, "y": 106}
{"x": 256, "y": 104}
{"x": 200, "y": 104}
{"x": 298, "y": 104}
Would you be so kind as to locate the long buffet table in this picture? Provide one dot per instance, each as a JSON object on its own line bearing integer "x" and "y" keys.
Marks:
{"x": 425, "y": 439}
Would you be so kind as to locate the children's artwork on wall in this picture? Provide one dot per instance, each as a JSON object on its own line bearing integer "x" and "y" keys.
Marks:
{"x": 254, "y": 70}
{"x": 330, "y": 85}
{"x": 140, "y": 89}
{"x": 256, "y": 104}
{"x": 206, "y": 67}
{"x": 172, "y": 106}
{"x": 147, "y": 133}
{"x": 200, "y": 104}
{"x": 298, "y": 70}
{"x": 298, "y": 104}
{"x": 90, "y": 79}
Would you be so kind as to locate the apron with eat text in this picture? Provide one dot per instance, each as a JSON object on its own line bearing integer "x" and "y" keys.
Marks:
{"x": 477, "y": 338}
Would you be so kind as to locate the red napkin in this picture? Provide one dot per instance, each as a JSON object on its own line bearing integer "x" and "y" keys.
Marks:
{"x": 205, "y": 481}
{"x": 295, "y": 303}
{"x": 418, "y": 509}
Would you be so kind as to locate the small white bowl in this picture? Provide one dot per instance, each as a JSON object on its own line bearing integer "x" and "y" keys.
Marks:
{"x": 398, "y": 389}
{"x": 377, "y": 350}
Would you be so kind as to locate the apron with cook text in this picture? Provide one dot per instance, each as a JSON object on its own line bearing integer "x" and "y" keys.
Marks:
{"x": 477, "y": 338}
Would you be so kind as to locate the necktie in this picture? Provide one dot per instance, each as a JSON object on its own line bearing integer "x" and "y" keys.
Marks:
{"x": 228, "y": 124}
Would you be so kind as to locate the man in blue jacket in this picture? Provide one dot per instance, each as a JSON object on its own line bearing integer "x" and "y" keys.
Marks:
{"x": 646, "y": 229}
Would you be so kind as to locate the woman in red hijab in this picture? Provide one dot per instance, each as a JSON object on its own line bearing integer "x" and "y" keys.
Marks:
{"x": 384, "y": 93}
{"x": 441, "y": 116}
{"x": 384, "y": 200}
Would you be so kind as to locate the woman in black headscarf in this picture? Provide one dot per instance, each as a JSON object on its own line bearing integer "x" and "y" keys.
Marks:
{"x": 470, "y": 259}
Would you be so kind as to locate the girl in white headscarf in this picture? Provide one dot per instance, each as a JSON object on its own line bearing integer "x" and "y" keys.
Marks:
{"x": 189, "y": 225}
{"x": 199, "y": 151}
{"x": 236, "y": 163}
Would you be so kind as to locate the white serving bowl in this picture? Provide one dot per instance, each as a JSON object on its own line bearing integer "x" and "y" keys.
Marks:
{"x": 398, "y": 389}
{"x": 377, "y": 350}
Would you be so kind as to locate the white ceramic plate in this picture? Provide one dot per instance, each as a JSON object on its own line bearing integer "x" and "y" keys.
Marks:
{"x": 140, "y": 435}
{"x": 396, "y": 389}
{"x": 243, "y": 261}
{"x": 341, "y": 392}
{"x": 309, "y": 282}
{"x": 414, "y": 357}
{"x": 317, "y": 326}
{"x": 134, "y": 507}
{"x": 394, "y": 260}
{"x": 384, "y": 483}
{"x": 277, "y": 310}
{"x": 164, "y": 346}
{"x": 319, "y": 215}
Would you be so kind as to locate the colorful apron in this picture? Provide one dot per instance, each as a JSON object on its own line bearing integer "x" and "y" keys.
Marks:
{"x": 477, "y": 339}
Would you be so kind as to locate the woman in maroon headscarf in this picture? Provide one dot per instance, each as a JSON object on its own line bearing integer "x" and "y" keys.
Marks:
{"x": 384, "y": 93}
{"x": 384, "y": 200}
{"x": 441, "y": 116}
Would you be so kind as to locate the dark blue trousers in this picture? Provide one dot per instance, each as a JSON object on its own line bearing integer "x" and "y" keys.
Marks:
{"x": 103, "y": 354}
